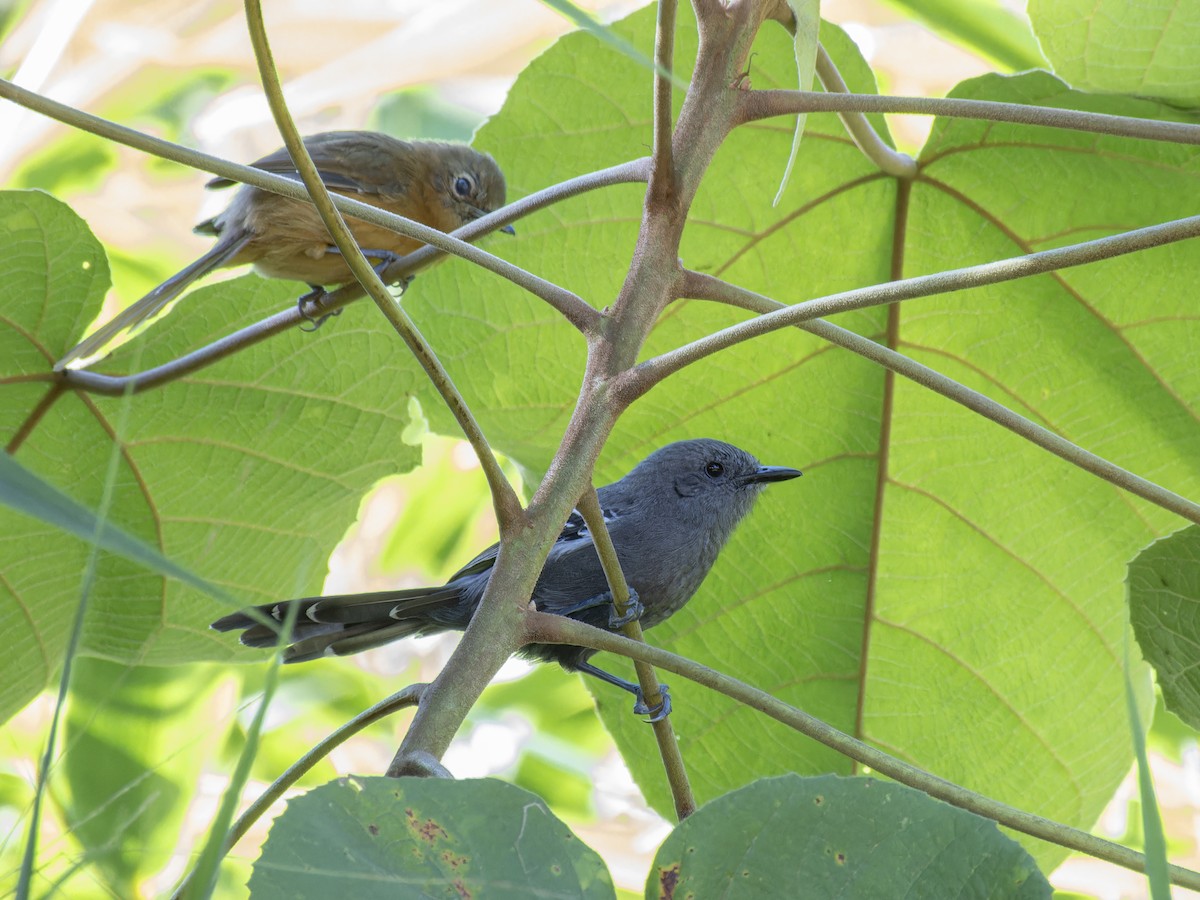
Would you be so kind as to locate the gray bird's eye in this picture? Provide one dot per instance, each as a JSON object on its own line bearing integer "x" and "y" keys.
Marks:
{"x": 714, "y": 470}
{"x": 463, "y": 186}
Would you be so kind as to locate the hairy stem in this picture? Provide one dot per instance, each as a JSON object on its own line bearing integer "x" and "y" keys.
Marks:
{"x": 662, "y": 175}
{"x": 705, "y": 287}
{"x": 757, "y": 105}
{"x": 654, "y": 370}
{"x": 572, "y": 308}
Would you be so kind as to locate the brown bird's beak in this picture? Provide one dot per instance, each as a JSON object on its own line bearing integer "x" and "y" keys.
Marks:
{"x": 766, "y": 474}
{"x": 479, "y": 213}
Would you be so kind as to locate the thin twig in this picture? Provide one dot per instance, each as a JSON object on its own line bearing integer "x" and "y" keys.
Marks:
{"x": 664, "y": 731}
{"x": 572, "y": 308}
{"x": 662, "y": 174}
{"x": 634, "y": 171}
{"x": 410, "y": 696}
{"x": 889, "y": 160}
{"x": 705, "y": 287}
{"x": 504, "y": 498}
{"x": 909, "y": 288}
{"x": 757, "y": 105}
{"x": 552, "y": 629}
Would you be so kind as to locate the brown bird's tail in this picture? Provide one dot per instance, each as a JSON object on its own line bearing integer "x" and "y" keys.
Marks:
{"x": 85, "y": 352}
{"x": 341, "y": 624}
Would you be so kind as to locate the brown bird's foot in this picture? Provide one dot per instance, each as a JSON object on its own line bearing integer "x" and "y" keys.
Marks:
{"x": 641, "y": 707}
{"x": 314, "y": 322}
{"x": 383, "y": 259}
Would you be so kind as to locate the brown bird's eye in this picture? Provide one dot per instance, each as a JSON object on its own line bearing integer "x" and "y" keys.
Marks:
{"x": 714, "y": 470}
{"x": 463, "y": 186}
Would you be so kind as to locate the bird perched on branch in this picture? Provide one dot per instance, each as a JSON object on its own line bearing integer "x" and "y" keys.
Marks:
{"x": 440, "y": 185}
{"x": 668, "y": 519}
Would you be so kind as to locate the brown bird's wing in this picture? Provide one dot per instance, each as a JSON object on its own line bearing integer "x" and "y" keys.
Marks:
{"x": 361, "y": 162}
{"x": 150, "y": 305}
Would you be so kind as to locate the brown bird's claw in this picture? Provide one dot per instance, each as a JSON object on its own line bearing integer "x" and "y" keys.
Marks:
{"x": 657, "y": 714}
{"x": 314, "y": 322}
{"x": 633, "y": 612}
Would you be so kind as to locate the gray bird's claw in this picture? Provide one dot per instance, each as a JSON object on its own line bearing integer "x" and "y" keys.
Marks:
{"x": 633, "y": 612}
{"x": 314, "y": 295}
{"x": 658, "y": 713}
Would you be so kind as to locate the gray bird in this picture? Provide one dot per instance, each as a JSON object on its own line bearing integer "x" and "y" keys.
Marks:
{"x": 668, "y": 518}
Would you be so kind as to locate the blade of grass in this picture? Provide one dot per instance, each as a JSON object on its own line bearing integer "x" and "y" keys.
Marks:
{"x": 1152, "y": 829}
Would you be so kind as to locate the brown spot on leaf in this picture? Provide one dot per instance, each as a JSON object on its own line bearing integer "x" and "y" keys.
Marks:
{"x": 841, "y": 859}
{"x": 461, "y": 889}
{"x": 374, "y": 829}
{"x": 428, "y": 830}
{"x": 667, "y": 881}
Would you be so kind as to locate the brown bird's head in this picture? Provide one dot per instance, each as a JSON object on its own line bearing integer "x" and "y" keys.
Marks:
{"x": 466, "y": 183}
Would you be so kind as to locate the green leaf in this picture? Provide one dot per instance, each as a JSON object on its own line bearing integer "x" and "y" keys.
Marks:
{"x": 1164, "y": 608}
{"x": 246, "y": 473}
{"x": 1122, "y": 46}
{"x": 427, "y": 837}
{"x": 988, "y": 27}
{"x": 839, "y": 837}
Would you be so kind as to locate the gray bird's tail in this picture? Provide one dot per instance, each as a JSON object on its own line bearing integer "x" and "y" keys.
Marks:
{"x": 341, "y": 624}
{"x": 149, "y": 306}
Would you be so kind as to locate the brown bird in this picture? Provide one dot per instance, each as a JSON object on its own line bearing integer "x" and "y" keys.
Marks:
{"x": 438, "y": 184}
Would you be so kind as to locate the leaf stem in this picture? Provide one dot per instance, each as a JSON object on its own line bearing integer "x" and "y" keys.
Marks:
{"x": 864, "y": 135}
{"x": 504, "y": 498}
{"x": 409, "y": 696}
{"x": 664, "y": 731}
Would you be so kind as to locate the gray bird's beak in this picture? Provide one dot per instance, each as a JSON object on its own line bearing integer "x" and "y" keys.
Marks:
{"x": 767, "y": 474}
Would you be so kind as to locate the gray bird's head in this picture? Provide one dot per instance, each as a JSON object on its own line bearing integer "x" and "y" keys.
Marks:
{"x": 708, "y": 483}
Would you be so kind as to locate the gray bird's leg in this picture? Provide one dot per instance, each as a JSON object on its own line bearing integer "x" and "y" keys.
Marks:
{"x": 640, "y": 708}
{"x": 633, "y": 610}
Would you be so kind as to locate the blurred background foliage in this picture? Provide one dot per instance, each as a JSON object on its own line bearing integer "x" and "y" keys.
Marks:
{"x": 127, "y": 808}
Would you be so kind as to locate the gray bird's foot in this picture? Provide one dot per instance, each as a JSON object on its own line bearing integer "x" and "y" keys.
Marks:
{"x": 633, "y": 612}
{"x": 658, "y": 713}
{"x": 313, "y": 295}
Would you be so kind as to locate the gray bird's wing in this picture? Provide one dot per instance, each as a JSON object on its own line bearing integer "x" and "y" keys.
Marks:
{"x": 574, "y": 535}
